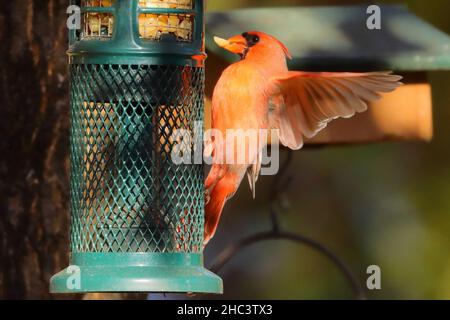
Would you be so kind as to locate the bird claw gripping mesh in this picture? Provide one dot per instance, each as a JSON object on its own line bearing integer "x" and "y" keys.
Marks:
{"x": 127, "y": 194}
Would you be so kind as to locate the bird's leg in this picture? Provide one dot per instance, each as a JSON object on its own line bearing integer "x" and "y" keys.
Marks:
{"x": 207, "y": 196}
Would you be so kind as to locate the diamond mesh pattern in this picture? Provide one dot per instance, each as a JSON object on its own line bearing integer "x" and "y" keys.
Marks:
{"x": 127, "y": 195}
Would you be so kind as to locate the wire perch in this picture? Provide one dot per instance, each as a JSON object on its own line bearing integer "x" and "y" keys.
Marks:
{"x": 280, "y": 185}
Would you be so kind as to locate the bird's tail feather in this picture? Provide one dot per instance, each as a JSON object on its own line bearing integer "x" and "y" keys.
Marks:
{"x": 222, "y": 191}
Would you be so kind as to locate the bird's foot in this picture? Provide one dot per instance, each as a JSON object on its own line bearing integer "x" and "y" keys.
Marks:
{"x": 207, "y": 197}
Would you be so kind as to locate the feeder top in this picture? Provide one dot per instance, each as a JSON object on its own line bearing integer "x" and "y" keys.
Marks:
{"x": 337, "y": 37}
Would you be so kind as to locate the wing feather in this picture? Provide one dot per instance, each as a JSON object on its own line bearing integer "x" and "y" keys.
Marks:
{"x": 306, "y": 102}
{"x": 253, "y": 174}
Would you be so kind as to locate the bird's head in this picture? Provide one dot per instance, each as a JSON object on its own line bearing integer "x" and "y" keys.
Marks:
{"x": 253, "y": 43}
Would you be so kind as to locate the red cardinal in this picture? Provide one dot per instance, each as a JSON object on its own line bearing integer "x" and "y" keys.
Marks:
{"x": 259, "y": 92}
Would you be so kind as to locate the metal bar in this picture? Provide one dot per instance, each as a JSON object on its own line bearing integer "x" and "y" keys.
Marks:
{"x": 98, "y": 9}
{"x": 167, "y": 11}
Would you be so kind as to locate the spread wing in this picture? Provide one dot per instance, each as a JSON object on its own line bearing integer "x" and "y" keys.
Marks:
{"x": 303, "y": 103}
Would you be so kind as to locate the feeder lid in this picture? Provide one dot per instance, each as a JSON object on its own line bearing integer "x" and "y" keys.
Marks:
{"x": 336, "y": 37}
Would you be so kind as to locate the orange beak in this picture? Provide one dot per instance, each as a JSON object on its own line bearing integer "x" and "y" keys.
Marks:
{"x": 236, "y": 44}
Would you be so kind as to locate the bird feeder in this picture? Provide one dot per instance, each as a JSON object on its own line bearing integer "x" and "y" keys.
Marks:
{"x": 137, "y": 76}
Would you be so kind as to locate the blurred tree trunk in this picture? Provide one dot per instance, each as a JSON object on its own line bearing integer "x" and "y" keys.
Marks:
{"x": 34, "y": 148}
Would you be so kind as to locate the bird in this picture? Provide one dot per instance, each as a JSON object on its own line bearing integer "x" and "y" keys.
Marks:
{"x": 259, "y": 92}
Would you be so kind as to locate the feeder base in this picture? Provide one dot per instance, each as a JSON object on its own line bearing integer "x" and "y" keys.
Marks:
{"x": 136, "y": 272}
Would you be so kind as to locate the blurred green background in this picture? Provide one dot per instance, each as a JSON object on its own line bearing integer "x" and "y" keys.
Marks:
{"x": 385, "y": 204}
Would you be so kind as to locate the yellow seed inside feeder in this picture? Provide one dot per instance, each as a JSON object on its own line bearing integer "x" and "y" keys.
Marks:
{"x": 147, "y": 25}
{"x": 96, "y": 3}
{"x": 185, "y": 29}
{"x": 152, "y": 26}
{"x": 94, "y": 24}
{"x": 174, "y": 4}
{"x": 98, "y": 25}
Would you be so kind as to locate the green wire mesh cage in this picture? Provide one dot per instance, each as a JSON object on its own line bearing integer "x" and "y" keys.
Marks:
{"x": 137, "y": 76}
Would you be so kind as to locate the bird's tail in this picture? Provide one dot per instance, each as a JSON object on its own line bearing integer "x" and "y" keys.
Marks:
{"x": 221, "y": 192}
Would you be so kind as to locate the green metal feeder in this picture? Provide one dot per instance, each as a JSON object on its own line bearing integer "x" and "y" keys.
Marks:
{"x": 137, "y": 75}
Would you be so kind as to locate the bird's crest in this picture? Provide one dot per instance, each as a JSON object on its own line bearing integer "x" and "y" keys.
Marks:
{"x": 281, "y": 44}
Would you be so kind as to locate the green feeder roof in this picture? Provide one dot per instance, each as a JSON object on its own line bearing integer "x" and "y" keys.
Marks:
{"x": 336, "y": 37}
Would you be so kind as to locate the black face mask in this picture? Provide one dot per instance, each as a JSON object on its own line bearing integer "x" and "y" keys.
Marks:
{"x": 251, "y": 39}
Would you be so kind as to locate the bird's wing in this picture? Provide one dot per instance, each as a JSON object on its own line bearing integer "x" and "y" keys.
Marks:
{"x": 305, "y": 102}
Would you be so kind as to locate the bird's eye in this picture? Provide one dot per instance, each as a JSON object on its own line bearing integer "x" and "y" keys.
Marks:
{"x": 251, "y": 39}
